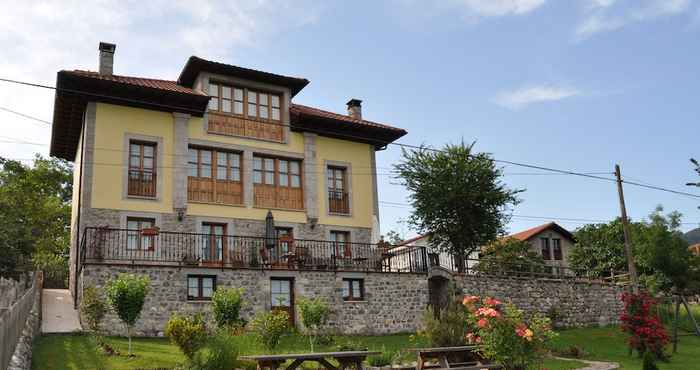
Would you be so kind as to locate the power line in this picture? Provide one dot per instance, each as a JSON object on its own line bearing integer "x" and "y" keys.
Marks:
{"x": 402, "y": 145}
{"x": 25, "y": 115}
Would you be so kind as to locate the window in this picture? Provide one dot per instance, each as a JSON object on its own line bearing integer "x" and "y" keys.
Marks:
{"x": 214, "y": 176}
{"x": 142, "y": 169}
{"x": 338, "y": 200}
{"x": 231, "y": 99}
{"x": 135, "y": 240}
{"x": 544, "y": 245}
{"x": 353, "y": 290}
{"x": 556, "y": 249}
{"x": 277, "y": 182}
{"x": 213, "y": 241}
{"x": 341, "y": 243}
{"x": 280, "y": 292}
{"x": 200, "y": 287}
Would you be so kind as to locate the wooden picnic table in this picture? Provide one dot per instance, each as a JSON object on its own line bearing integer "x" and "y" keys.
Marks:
{"x": 455, "y": 358}
{"x": 345, "y": 359}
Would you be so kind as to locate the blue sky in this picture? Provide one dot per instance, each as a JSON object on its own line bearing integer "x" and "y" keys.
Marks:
{"x": 579, "y": 84}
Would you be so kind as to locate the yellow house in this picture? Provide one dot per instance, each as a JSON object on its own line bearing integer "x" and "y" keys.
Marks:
{"x": 217, "y": 171}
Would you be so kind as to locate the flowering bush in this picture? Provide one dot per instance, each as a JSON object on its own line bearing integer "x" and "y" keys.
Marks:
{"x": 641, "y": 323}
{"x": 505, "y": 335}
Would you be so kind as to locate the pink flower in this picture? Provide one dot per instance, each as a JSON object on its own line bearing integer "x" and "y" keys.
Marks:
{"x": 468, "y": 300}
{"x": 482, "y": 323}
{"x": 491, "y": 301}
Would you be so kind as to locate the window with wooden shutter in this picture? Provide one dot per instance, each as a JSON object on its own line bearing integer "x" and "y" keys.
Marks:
{"x": 341, "y": 243}
{"x": 277, "y": 183}
{"x": 142, "y": 169}
{"x": 214, "y": 176}
{"x": 338, "y": 197}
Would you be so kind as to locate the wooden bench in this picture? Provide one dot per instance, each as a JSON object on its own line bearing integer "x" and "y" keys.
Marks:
{"x": 345, "y": 360}
{"x": 453, "y": 358}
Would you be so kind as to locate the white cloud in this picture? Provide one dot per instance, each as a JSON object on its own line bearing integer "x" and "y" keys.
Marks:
{"x": 497, "y": 8}
{"x": 154, "y": 38}
{"x": 520, "y": 98}
{"x": 610, "y": 15}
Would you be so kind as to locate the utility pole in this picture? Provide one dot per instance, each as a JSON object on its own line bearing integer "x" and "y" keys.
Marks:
{"x": 626, "y": 230}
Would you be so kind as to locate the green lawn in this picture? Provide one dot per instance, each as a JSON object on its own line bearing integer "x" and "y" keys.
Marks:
{"x": 79, "y": 352}
{"x": 609, "y": 344}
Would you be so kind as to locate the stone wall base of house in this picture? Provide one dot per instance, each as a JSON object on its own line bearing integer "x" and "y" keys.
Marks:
{"x": 394, "y": 303}
{"x": 568, "y": 303}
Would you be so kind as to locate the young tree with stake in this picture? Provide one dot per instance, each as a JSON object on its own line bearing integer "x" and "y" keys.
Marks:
{"x": 126, "y": 295}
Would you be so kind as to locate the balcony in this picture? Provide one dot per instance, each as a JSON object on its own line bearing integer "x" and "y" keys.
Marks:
{"x": 338, "y": 202}
{"x": 231, "y": 125}
{"x": 164, "y": 248}
{"x": 142, "y": 183}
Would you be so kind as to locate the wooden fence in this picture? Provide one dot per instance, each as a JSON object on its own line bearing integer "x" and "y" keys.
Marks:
{"x": 13, "y": 319}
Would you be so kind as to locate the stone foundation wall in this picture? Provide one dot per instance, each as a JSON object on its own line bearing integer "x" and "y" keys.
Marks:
{"x": 394, "y": 303}
{"x": 568, "y": 303}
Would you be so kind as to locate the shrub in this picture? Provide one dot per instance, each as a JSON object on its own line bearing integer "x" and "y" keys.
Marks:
{"x": 219, "y": 353}
{"x": 639, "y": 320}
{"x": 382, "y": 359}
{"x": 93, "y": 308}
{"x": 351, "y": 345}
{"x": 226, "y": 304}
{"x": 126, "y": 295}
{"x": 314, "y": 315}
{"x": 447, "y": 329}
{"x": 269, "y": 326}
{"x": 187, "y": 332}
{"x": 506, "y": 337}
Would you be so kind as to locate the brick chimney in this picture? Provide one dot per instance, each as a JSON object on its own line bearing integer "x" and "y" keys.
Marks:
{"x": 355, "y": 108}
{"x": 107, "y": 58}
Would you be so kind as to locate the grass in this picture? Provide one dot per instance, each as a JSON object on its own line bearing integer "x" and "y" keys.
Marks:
{"x": 76, "y": 352}
{"x": 609, "y": 344}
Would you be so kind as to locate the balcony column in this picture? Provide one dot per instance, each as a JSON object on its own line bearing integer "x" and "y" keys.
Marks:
{"x": 180, "y": 121}
{"x": 248, "y": 195}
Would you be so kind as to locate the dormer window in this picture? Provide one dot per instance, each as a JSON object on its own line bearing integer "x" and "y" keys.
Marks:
{"x": 252, "y": 104}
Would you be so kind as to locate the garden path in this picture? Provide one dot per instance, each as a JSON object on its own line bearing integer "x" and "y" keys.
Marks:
{"x": 594, "y": 365}
{"x": 57, "y": 312}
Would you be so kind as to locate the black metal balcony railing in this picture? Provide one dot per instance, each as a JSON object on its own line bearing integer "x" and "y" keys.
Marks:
{"x": 153, "y": 247}
{"x": 338, "y": 201}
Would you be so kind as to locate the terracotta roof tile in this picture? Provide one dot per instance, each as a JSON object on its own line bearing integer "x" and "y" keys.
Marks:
{"x": 303, "y": 109}
{"x": 411, "y": 240}
{"x": 529, "y": 233}
{"x": 152, "y": 83}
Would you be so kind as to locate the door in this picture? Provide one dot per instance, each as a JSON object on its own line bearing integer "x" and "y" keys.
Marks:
{"x": 282, "y": 296}
{"x": 213, "y": 243}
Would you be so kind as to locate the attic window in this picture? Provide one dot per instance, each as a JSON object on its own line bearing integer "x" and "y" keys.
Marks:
{"x": 256, "y": 105}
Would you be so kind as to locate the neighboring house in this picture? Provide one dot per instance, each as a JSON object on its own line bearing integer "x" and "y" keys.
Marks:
{"x": 551, "y": 241}
{"x": 695, "y": 249}
{"x": 219, "y": 179}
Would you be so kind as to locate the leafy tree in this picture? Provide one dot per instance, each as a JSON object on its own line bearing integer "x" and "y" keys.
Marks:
{"x": 35, "y": 216}
{"x": 226, "y": 304}
{"x": 660, "y": 252}
{"x": 93, "y": 308}
{"x": 393, "y": 237}
{"x": 510, "y": 254}
{"x": 457, "y": 196}
{"x": 314, "y": 315}
{"x": 126, "y": 295}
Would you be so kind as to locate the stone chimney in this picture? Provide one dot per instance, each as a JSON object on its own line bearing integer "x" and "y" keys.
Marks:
{"x": 107, "y": 58}
{"x": 355, "y": 108}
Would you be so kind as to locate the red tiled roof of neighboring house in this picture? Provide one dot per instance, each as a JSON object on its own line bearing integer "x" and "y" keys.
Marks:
{"x": 411, "y": 240}
{"x": 298, "y": 108}
{"x": 530, "y": 233}
{"x": 695, "y": 249}
{"x": 152, "y": 83}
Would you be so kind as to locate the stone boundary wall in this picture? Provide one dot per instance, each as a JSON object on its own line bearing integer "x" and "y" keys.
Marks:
{"x": 569, "y": 303}
{"x": 22, "y": 356}
{"x": 394, "y": 303}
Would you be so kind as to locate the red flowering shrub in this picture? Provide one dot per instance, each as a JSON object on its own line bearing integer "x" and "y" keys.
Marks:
{"x": 641, "y": 323}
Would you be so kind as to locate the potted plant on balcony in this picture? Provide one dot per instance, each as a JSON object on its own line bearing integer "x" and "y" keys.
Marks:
{"x": 150, "y": 231}
{"x": 190, "y": 259}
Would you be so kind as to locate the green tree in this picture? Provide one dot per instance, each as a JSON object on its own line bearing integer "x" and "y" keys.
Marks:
{"x": 126, "y": 295}
{"x": 189, "y": 333}
{"x": 35, "y": 216}
{"x": 226, "y": 304}
{"x": 660, "y": 252}
{"x": 268, "y": 327}
{"x": 393, "y": 237}
{"x": 314, "y": 316}
{"x": 457, "y": 196}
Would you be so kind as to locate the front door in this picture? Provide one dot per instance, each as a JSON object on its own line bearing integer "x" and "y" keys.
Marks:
{"x": 282, "y": 296}
{"x": 214, "y": 249}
